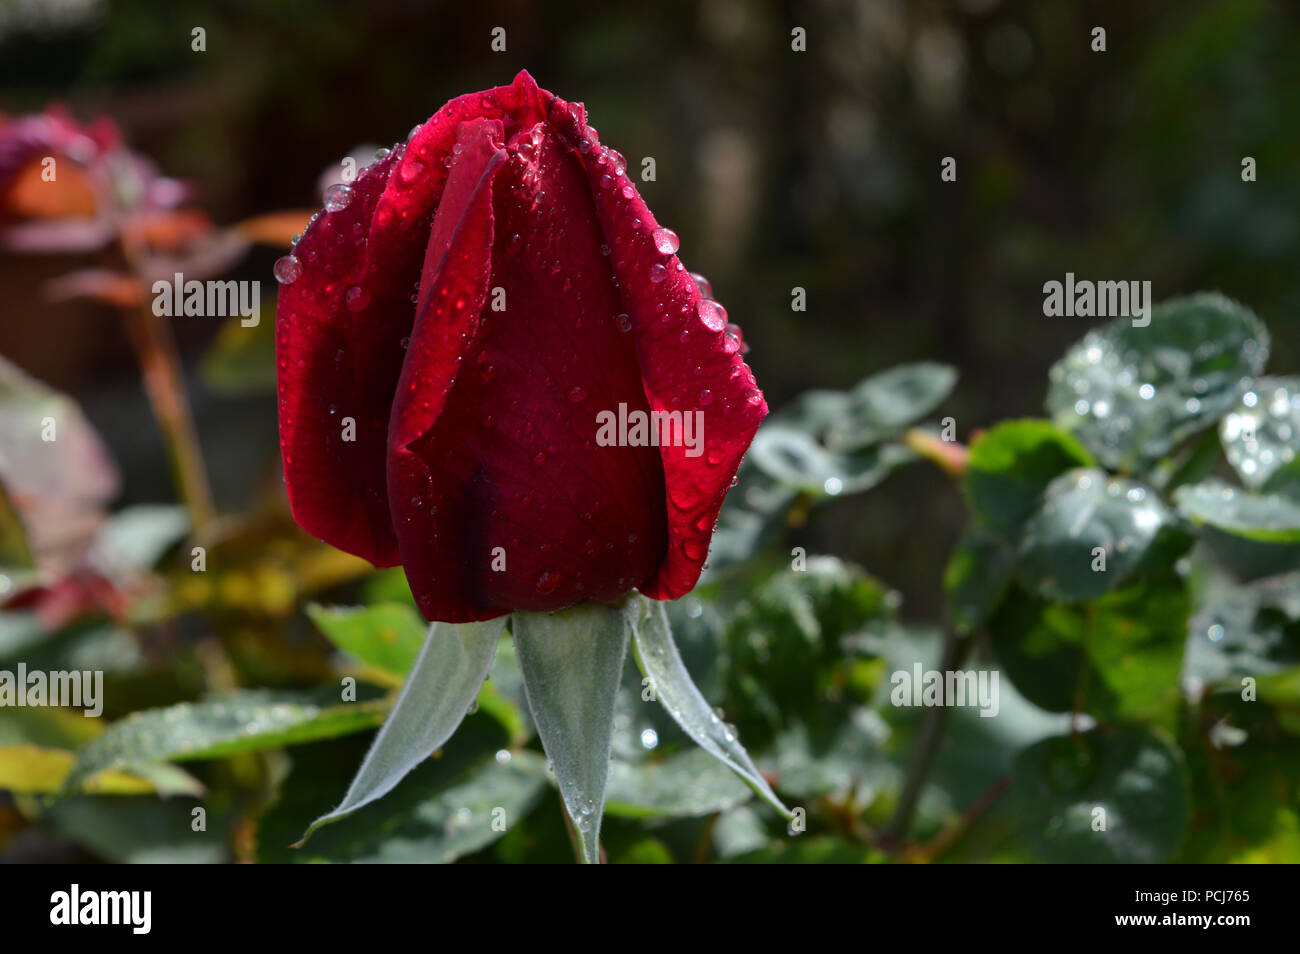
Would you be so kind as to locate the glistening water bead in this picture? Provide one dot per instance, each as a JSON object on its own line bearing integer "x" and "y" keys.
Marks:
{"x": 712, "y": 315}
{"x": 287, "y": 270}
{"x": 666, "y": 241}
{"x": 337, "y": 198}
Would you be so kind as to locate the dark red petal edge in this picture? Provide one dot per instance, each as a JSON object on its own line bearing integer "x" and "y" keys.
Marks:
{"x": 342, "y": 324}
{"x": 685, "y": 364}
{"x": 453, "y": 292}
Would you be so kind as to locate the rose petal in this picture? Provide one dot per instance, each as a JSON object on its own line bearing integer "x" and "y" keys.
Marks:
{"x": 494, "y": 434}
{"x": 340, "y": 356}
{"x": 684, "y": 362}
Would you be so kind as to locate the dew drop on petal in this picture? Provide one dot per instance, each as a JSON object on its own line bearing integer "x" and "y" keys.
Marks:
{"x": 577, "y": 395}
{"x": 547, "y": 582}
{"x": 658, "y": 273}
{"x": 712, "y": 315}
{"x": 703, "y": 284}
{"x": 666, "y": 241}
{"x": 624, "y": 323}
{"x": 357, "y": 298}
{"x": 287, "y": 270}
{"x": 337, "y": 197}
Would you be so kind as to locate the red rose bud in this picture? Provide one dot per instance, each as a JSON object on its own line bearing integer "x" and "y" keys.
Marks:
{"x": 494, "y": 370}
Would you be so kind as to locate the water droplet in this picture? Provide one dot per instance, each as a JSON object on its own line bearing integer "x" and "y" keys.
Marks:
{"x": 624, "y": 323}
{"x": 649, "y": 739}
{"x": 357, "y": 298}
{"x": 337, "y": 197}
{"x": 712, "y": 315}
{"x": 666, "y": 241}
{"x": 833, "y": 486}
{"x": 287, "y": 270}
{"x": 658, "y": 273}
{"x": 547, "y": 582}
{"x": 577, "y": 395}
{"x": 702, "y": 283}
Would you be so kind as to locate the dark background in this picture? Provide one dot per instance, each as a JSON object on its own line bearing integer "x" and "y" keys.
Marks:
{"x": 817, "y": 169}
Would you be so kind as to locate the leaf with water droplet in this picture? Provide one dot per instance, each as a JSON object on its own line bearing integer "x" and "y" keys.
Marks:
{"x": 1264, "y": 517}
{"x": 1261, "y": 435}
{"x": 445, "y": 679}
{"x": 1132, "y": 394}
{"x": 796, "y": 459}
{"x": 572, "y": 663}
{"x": 1010, "y": 466}
{"x": 242, "y": 721}
{"x": 1085, "y": 511}
{"x": 688, "y": 784}
{"x": 657, "y": 655}
{"x": 1136, "y": 775}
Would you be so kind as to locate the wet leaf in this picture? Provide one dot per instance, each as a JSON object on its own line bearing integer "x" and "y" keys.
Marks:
{"x": 572, "y": 663}
{"x": 661, "y": 664}
{"x": 239, "y": 722}
{"x": 443, "y": 682}
{"x": 1087, "y": 517}
{"x": 1262, "y": 433}
{"x": 1265, "y": 518}
{"x": 1011, "y": 465}
{"x": 1109, "y": 796}
{"x": 1132, "y": 394}
{"x": 686, "y": 785}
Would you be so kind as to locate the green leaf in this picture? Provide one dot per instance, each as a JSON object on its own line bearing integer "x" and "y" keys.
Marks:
{"x": 137, "y": 537}
{"x": 1264, "y": 518}
{"x": 1011, "y": 465}
{"x": 1262, "y": 433}
{"x": 142, "y": 830}
{"x": 686, "y": 785}
{"x": 572, "y": 663}
{"x": 387, "y": 636}
{"x": 799, "y": 635}
{"x": 446, "y": 677}
{"x": 1245, "y": 630}
{"x": 976, "y": 577}
{"x": 1083, "y": 511}
{"x": 241, "y": 360}
{"x": 15, "y": 553}
{"x": 1137, "y": 777}
{"x": 882, "y": 405}
{"x": 239, "y": 722}
{"x": 795, "y": 458}
{"x": 1132, "y": 394}
{"x": 36, "y": 770}
{"x": 445, "y": 822}
{"x": 1119, "y": 656}
{"x": 661, "y": 664}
